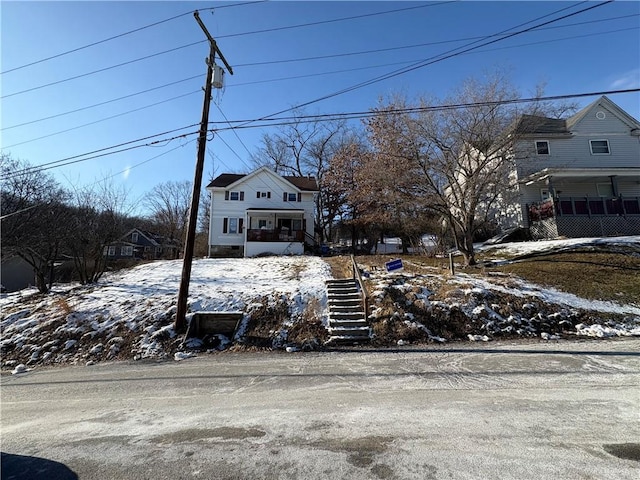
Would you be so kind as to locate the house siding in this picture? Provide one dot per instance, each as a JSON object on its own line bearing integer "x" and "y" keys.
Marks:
{"x": 569, "y": 153}
{"x": 262, "y": 181}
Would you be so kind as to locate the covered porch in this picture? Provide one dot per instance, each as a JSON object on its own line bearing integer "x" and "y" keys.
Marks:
{"x": 275, "y": 231}
{"x": 584, "y": 202}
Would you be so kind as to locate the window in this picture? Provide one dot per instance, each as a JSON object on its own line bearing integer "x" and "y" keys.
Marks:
{"x": 291, "y": 197}
{"x": 262, "y": 224}
{"x": 134, "y": 237}
{"x": 605, "y": 190}
{"x": 542, "y": 147}
{"x": 545, "y": 195}
{"x": 232, "y": 226}
{"x": 112, "y": 251}
{"x": 126, "y": 251}
{"x": 599, "y": 147}
{"x": 263, "y": 194}
{"x": 236, "y": 196}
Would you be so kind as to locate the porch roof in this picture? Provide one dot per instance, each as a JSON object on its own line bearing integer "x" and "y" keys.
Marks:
{"x": 579, "y": 173}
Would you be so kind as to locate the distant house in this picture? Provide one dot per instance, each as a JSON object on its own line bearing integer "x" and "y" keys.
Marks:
{"x": 578, "y": 176}
{"x": 15, "y": 273}
{"x": 142, "y": 245}
{"x": 261, "y": 212}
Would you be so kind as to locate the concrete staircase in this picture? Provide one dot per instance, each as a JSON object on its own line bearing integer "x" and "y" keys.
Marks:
{"x": 347, "y": 318}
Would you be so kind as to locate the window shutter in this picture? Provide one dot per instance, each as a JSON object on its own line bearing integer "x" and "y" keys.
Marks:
{"x": 225, "y": 225}
{"x": 226, "y": 194}
{"x": 299, "y": 197}
{"x": 241, "y": 196}
{"x": 240, "y": 224}
{"x": 257, "y": 194}
{"x": 284, "y": 197}
{"x": 268, "y": 194}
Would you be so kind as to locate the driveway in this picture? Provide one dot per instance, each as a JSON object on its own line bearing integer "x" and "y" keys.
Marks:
{"x": 499, "y": 410}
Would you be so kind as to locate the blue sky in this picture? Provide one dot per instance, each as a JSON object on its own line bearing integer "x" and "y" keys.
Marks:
{"x": 598, "y": 50}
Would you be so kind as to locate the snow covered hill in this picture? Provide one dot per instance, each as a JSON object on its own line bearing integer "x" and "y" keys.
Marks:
{"x": 129, "y": 314}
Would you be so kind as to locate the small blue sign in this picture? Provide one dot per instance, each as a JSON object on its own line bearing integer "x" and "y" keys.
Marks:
{"x": 394, "y": 265}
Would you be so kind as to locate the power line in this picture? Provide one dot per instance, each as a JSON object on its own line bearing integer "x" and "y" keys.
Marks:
{"x": 323, "y": 72}
{"x": 443, "y": 56}
{"x": 322, "y": 22}
{"x": 122, "y": 35}
{"x": 101, "y": 103}
{"x": 247, "y": 124}
{"x": 418, "y": 45}
{"x": 73, "y": 159}
{"x": 282, "y": 121}
{"x": 86, "y": 74}
{"x": 146, "y": 57}
{"x": 102, "y": 119}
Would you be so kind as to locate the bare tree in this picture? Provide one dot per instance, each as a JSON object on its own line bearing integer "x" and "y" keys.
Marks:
{"x": 35, "y": 218}
{"x": 100, "y": 218}
{"x": 305, "y": 149}
{"x": 168, "y": 204}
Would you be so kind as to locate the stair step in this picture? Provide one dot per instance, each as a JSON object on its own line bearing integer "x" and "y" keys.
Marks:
{"x": 340, "y": 340}
{"x": 342, "y": 312}
{"x": 350, "y": 331}
{"x": 347, "y": 315}
{"x": 344, "y": 305}
{"x": 344, "y": 296}
{"x": 342, "y": 290}
{"x": 337, "y": 323}
{"x": 340, "y": 281}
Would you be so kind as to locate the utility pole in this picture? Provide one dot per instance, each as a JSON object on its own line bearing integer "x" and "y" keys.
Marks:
{"x": 180, "y": 323}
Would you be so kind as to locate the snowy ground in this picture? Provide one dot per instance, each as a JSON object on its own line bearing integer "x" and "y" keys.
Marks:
{"x": 130, "y": 314}
{"x": 134, "y": 310}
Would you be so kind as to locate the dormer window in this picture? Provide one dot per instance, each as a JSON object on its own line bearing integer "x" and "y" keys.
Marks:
{"x": 599, "y": 147}
{"x": 542, "y": 147}
{"x": 134, "y": 237}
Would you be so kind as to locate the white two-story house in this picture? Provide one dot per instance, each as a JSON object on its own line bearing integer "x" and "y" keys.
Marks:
{"x": 261, "y": 213}
{"x": 580, "y": 176}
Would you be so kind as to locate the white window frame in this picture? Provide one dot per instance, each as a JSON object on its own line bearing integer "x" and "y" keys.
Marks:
{"x": 608, "y": 152}
{"x": 535, "y": 143}
{"x": 545, "y": 194}
{"x": 134, "y": 237}
{"x": 239, "y": 230}
{"x": 112, "y": 251}
{"x": 292, "y": 197}
{"x": 236, "y": 194}
{"x": 126, "y": 251}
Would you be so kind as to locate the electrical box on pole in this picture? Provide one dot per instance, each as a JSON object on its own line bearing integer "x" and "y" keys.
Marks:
{"x": 218, "y": 77}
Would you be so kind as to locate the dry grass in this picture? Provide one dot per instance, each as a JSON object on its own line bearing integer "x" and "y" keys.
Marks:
{"x": 596, "y": 276}
{"x": 63, "y": 305}
{"x": 340, "y": 266}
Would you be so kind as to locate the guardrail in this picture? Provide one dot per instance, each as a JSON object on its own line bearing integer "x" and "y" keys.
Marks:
{"x": 363, "y": 288}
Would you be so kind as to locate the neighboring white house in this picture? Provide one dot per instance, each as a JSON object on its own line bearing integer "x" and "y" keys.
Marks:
{"x": 261, "y": 213}
{"x": 580, "y": 176}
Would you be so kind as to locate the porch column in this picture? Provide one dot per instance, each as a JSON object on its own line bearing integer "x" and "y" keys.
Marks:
{"x": 552, "y": 192}
{"x": 614, "y": 185}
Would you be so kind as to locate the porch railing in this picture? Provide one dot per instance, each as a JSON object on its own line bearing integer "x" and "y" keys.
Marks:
{"x": 275, "y": 235}
{"x": 584, "y": 206}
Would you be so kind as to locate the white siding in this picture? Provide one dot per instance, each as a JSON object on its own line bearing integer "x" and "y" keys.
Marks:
{"x": 262, "y": 181}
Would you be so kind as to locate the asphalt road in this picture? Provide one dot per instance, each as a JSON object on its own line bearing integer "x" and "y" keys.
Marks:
{"x": 562, "y": 410}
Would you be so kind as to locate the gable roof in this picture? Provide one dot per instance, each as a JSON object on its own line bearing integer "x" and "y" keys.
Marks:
{"x": 605, "y": 102}
{"x": 308, "y": 184}
{"x": 539, "y": 125}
